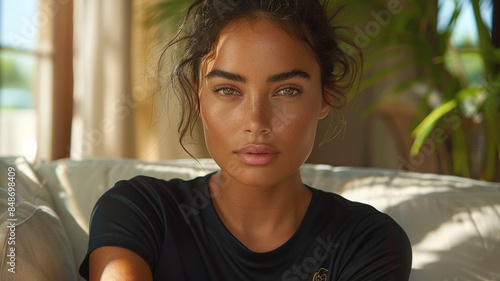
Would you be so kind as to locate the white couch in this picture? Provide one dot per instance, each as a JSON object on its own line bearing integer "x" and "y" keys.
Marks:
{"x": 453, "y": 223}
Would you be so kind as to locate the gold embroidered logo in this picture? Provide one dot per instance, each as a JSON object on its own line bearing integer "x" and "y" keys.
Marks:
{"x": 321, "y": 275}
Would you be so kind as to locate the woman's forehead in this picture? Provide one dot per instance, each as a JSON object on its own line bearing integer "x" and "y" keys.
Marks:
{"x": 262, "y": 44}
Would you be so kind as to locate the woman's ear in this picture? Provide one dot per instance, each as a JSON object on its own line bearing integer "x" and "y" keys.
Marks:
{"x": 327, "y": 102}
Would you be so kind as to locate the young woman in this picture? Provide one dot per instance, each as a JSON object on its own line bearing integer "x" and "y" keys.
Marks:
{"x": 259, "y": 74}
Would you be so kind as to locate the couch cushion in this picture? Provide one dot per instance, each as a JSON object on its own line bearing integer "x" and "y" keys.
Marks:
{"x": 33, "y": 241}
{"x": 28, "y": 186}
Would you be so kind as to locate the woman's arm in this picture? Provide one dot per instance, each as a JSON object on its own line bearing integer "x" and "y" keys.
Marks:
{"x": 115, "y": 263}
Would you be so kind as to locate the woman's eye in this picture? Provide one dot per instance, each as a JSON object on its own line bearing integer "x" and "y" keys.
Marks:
{"x": 289, "y": 92}
{"x": 226, "y": 91}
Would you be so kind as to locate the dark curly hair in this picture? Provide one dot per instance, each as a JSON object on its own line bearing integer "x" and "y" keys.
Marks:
{"x": 313, "y": 21}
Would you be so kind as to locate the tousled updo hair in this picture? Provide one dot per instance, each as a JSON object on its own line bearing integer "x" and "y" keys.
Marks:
{"x": 313, "y": 21}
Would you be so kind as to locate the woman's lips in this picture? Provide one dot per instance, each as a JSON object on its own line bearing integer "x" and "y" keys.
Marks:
{"x": 257, "y": 154}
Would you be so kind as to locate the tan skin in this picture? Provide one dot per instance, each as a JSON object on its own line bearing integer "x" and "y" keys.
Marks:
{"x": 260, "y": 99}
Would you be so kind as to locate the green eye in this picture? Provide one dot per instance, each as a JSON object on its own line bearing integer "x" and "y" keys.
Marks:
{"x": 289, "y": 91}
{"x": 226, "y": 91}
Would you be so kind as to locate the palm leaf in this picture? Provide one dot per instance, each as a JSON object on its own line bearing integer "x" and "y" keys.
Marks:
{"x": 423, "y": 130}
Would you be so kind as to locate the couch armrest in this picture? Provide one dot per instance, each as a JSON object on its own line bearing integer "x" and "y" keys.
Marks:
{"x": 33, "y": 242}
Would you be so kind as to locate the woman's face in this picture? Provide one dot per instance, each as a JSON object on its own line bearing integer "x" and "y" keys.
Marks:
{"x": 260, "y": 102}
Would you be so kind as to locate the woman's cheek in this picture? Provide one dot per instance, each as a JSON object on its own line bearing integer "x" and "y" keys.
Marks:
{"x": 218, "y": 118}
{"x": 295, "y": 118}
{"x": 283, "y": 117}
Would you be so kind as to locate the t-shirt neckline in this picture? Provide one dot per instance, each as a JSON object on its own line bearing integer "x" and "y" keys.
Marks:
{"x": 282, "y": 252}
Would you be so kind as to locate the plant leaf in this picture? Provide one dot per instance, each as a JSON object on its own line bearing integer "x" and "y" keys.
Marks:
{"x": 425, "y": 127}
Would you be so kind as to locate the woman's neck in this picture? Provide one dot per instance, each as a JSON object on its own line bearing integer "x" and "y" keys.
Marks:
{"x": 262, "y": 218}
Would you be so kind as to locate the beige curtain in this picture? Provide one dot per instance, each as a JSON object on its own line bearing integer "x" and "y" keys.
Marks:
{"x": 115, "y": 78}
{"x": 103, "y": 107}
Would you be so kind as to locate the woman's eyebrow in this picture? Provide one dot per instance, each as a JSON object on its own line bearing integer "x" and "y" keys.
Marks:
{"x": 272, "y": 79}
{"x": 288, "y": 75}
{"x": 226, "y": 75}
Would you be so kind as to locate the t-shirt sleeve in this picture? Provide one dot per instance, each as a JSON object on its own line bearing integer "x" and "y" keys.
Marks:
{"x": 378, "y": 250}
{"x": 127, "y": 216}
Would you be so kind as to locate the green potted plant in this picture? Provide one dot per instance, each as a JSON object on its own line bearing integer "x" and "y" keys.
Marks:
{"x": 464, "y": 79}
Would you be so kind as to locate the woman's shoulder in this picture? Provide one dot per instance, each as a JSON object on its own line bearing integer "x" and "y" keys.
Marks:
{"x": 369, "y": 242}
{"x": 147, "y": 199}
{"x": 146, "y": 190}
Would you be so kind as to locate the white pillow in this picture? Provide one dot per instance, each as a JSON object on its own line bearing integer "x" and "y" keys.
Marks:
{"x": 42, "y": 249}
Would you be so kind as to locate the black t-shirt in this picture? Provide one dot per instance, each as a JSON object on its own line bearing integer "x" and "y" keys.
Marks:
{"x": 174, "y": 227}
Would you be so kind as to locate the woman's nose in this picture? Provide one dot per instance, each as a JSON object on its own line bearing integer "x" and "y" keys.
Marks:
{"x": 257, "y": 116}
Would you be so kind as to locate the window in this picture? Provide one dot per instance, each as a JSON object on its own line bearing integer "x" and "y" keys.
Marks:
{"x": 465, "y": 31}
{"x": 465, "y": 34}
{"x": 36, "y": 78}
{"x": 19, "y": 57}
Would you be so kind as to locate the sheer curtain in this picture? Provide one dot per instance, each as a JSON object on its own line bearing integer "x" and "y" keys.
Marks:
{"x": 115, "y": 101}
{"x": 103, "y": 107}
